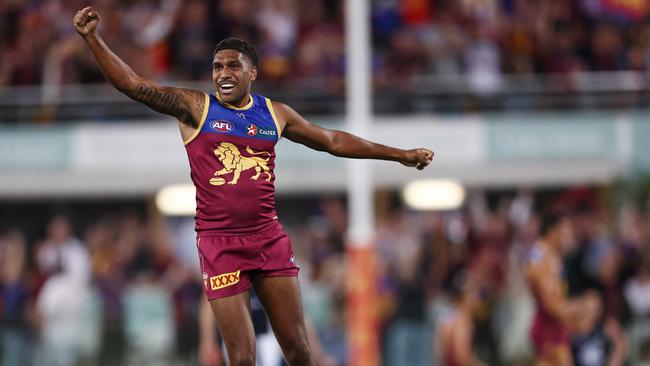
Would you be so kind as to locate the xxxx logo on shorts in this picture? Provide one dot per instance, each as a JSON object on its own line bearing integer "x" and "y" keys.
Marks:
{"x": 224, "y": 280}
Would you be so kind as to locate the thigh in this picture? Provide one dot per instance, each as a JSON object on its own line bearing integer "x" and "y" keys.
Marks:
{"x": 563, "y": 355}
{"x": 234, "y": 322}
{"x": 558, "y": 355}
{"x": 280, "y": 297}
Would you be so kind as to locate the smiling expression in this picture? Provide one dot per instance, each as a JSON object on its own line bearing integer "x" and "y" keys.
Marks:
{"x": 232, "y": 74}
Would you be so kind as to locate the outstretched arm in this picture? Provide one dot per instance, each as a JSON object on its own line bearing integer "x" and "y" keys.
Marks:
{"x": 339, "y": 143}
{"x": 185, "y": 104}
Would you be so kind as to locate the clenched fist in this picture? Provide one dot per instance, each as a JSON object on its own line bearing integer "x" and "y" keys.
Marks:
{"x": 85, "y": 21}
{"x": 418, "y": 158}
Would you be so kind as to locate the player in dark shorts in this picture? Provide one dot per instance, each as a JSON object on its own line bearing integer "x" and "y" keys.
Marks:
{"x": 230, "y": 138}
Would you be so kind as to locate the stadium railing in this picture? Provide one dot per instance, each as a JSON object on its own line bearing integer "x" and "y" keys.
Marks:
{"x": 442, "y": 94}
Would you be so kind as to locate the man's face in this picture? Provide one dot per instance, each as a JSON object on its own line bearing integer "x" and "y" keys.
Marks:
{"x": 232, "y": 73}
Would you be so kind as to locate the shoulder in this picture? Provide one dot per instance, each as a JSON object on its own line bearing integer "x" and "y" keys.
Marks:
{"x": 537, "y": 261}
{"x": 535, "y": 255}
{"x": 283, "y": 112}
{"x": 281, "y": 108}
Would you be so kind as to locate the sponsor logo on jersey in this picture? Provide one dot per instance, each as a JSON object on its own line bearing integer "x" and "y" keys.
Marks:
{"x": 241, "y": 115}
{"x": 267, "y": 132}
{"x": 253, "y": 130}
{"x": 224, "y": 280}
{"x": 221, "y": 126}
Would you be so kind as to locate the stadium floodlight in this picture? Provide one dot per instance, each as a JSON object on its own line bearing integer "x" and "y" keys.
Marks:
{"x": 177, "y": 200}
{"x": 433, "y": 194}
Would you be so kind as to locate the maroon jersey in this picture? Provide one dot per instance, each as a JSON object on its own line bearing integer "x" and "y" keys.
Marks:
{"x": 232, "y": 156}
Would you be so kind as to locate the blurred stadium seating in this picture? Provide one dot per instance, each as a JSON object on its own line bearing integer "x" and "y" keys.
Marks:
{"x": 528, "y": 103}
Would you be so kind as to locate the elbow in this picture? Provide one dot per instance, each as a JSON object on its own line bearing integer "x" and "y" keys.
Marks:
{"x": 335, "y": 146}
{"x": 124, "y": 87}
{"x": 334, "y": 150}
{"x": 127, "y": 84}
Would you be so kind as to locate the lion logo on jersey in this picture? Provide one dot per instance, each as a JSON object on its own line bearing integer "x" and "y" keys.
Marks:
{"x": 233, "y": 162}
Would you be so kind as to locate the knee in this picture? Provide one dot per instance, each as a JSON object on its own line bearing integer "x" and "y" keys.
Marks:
{"x": 298, "y": 353}
{"x": 241, "y": 358}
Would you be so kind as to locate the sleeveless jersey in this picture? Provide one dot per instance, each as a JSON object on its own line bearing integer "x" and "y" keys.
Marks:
{"x": 232, "y": 156}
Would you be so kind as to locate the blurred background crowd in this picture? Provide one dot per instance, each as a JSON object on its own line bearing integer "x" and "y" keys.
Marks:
{"x": 109, "y": 284}
{"x": 485, "y": 40}
{"x": 92, "y": 280}
{"x": 297, "y": 41}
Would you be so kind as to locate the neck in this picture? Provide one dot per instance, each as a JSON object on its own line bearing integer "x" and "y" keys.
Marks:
{"x": 464, "y": 309}
{"x": 241, "y": 103}
{"x": 551, "y": 244}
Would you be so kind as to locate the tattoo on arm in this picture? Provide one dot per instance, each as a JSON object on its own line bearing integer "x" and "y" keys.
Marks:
{"x": 199, "y": 103}
{"x": 160, "y": 101}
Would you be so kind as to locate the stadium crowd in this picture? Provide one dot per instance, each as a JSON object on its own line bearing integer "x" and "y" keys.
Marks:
{"x": 124, "y": 288}
{"x": 83, "y": 290}
{"x": 301, "y": 43}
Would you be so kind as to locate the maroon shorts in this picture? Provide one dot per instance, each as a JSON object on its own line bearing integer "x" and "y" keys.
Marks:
{"x": 547, "y": 333}
{"x": 230, "y": 262}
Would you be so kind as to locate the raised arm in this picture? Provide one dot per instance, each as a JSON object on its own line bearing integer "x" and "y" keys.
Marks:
{"x": 339, "y": 143}
{"x": 186, "y": 105}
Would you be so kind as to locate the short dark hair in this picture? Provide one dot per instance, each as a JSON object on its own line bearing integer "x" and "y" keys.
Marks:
{"x": 238, "y": 45}
{"x": 550, "y": 219}
{"x": 456, "y": 281}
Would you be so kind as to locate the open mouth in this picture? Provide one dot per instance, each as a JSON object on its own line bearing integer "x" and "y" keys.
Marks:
{"x": 226, "y": 88}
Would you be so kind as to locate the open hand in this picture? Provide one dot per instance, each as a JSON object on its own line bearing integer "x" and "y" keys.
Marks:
{"x": 85, "y": 21}
{"x": 419, "y": 158}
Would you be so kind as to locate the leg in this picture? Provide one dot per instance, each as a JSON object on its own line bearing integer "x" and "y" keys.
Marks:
{"x": 280, "y": 297}
{"x": 563, "y": 356}
{"x": 257, "y": 173}
{"x": 268, "y": 173}
{"x": 236, "y": 327}
{"x": 559, "y": 355}
{"x": 236, "y": 174}
{"x": 221, "y": 172}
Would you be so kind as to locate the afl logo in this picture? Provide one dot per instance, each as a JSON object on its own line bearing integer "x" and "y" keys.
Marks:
{"x": 221, "y": 126}
{"x": 251, "y": 130}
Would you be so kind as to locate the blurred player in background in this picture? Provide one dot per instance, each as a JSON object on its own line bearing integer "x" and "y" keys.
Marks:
{"x": 230, "y": 138}
{"x": 550, "y": 330}
{"x": 456, "y": 329}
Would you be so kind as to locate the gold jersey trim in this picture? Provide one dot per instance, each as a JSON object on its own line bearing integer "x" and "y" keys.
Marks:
{"x": 227, "y": 105}
{"x": 206, "y": 106}
{"x": 275, "y": 118}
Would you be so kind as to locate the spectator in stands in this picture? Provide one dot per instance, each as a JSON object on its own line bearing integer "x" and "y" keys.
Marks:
{"x": 17, "y": 316}
{"x": 66, "y": 307}
{"x": 597, "y": 338}
{"x": 409, "y": 259}
{"x": 637, "y": 294}
{"x": 109, "y": 281}
{"x": 61, "y": 252}
{"x": 456, "y": 325}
